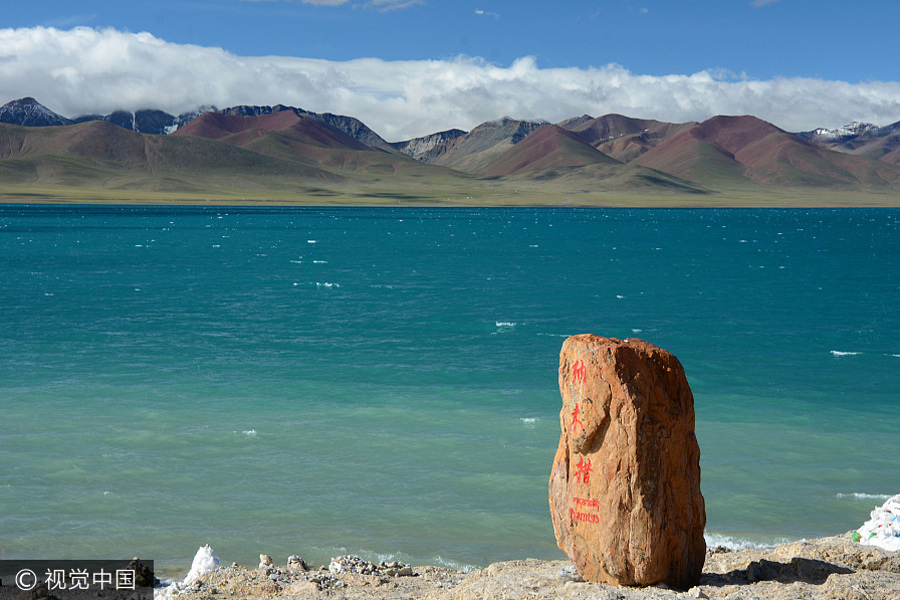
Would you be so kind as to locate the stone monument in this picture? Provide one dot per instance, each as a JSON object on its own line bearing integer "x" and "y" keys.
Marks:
{"x": 625, "y": 487}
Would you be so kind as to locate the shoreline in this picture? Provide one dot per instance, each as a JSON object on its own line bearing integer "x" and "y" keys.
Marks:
{"x": 174, "y": 569}
{"x": 830, "y": 568}
{"x": 538, "y": 197}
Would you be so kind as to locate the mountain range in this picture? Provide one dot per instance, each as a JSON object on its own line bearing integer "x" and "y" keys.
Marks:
{"x": 288, "y": 150}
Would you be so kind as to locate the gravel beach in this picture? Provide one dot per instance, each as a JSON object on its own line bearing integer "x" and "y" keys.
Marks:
{"x": 833, "y": 567}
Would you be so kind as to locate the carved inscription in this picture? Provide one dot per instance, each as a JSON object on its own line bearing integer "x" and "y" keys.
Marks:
{"x": 581, "y": 508}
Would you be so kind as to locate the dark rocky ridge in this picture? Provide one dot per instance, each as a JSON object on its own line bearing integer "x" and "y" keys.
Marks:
{"x": 862, "y": 139}
{"x": 428, "y": 147}
{"x": 28, "y": 112}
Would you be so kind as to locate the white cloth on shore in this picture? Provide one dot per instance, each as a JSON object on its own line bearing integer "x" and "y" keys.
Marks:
{"x": 883, "y": 529}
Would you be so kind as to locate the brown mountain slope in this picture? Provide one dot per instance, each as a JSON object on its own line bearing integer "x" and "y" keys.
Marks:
{"x": 695, "y": 160}
{"x": 893, "y": 155}
{"x": 547, "y": 148}
{"x": 99, "y": 152}
{"x": 621, "y": 137}
{"x": 240, "y": 130}
{"x": 559, "y": 158}
{"x": 885, "y": 148}
{"x": 300, "y": 139}
{"x": 727, "y": 150}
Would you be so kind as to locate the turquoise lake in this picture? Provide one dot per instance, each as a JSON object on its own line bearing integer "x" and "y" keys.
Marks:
{"x": 383, "y": 381}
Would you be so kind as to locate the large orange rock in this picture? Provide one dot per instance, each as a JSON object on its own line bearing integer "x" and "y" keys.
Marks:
{"x": 625, "y": 487}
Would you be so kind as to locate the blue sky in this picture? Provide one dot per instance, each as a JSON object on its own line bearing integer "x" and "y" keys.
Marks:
{"x": 613, "y": 49}
{"x": 850, "y": 40}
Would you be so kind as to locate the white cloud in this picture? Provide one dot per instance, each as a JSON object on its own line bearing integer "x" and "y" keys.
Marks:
{"x": 484, "y": 13}
{"x": 85, "y": 70}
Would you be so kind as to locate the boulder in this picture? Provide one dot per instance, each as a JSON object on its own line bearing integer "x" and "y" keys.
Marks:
{"x": 625, "y": 486}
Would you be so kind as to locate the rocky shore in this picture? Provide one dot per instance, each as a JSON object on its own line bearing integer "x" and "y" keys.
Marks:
{"x": 829, "y": 568}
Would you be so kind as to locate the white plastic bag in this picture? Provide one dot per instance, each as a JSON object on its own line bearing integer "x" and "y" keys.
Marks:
{"x": 883, "y": 529}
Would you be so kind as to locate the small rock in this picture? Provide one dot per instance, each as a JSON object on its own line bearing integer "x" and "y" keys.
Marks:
{"x": 265, "y": 561}
{"x": 351, "y": 564}
{"x": 301, "y": 587}
{"x": 569, "y": 573}
{"x": 144, "y": 577}
{"x": 696, "y": 592}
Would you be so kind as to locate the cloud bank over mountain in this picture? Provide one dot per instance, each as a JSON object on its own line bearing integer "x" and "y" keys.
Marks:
{"x": 83, "y": 70}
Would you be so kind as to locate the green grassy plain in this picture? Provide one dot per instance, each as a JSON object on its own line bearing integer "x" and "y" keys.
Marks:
{"x": 437, "y": 192}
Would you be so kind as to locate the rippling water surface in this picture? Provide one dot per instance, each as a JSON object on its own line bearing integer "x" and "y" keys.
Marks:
{"x": 382, "y": 382}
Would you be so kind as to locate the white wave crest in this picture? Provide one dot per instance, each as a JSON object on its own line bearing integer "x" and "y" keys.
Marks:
{"x": 864, "y": 496}
{"x": 452, "y": 564}
{"x": 840, "y": 353}
{"x": 736, "y": 543}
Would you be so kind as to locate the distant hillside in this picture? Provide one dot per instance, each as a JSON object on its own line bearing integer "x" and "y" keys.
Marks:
{"x": 286, "y": 148}
{"x": 620, "y": 137}
{"x": 97, "y": 153}
{"x": 300, "y": 138}
{"x": 552, "y": 154}
{"x": 31, "y": 113}
{"x": 429, "y": 147}
{"x": 351, "y": 126}
{"x": 731, "y": 150}
{"x": 545, "y": 151}
{"x": 473, "y": 151}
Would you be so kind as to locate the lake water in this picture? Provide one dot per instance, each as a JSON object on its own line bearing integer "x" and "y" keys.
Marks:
{"x": 383, "y": 382}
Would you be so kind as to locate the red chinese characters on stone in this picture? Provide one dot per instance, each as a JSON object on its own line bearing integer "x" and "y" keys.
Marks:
{"x": 584, "y": 470}
{"x": 576, "y": 422}
{"x": 579, "y": 372}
